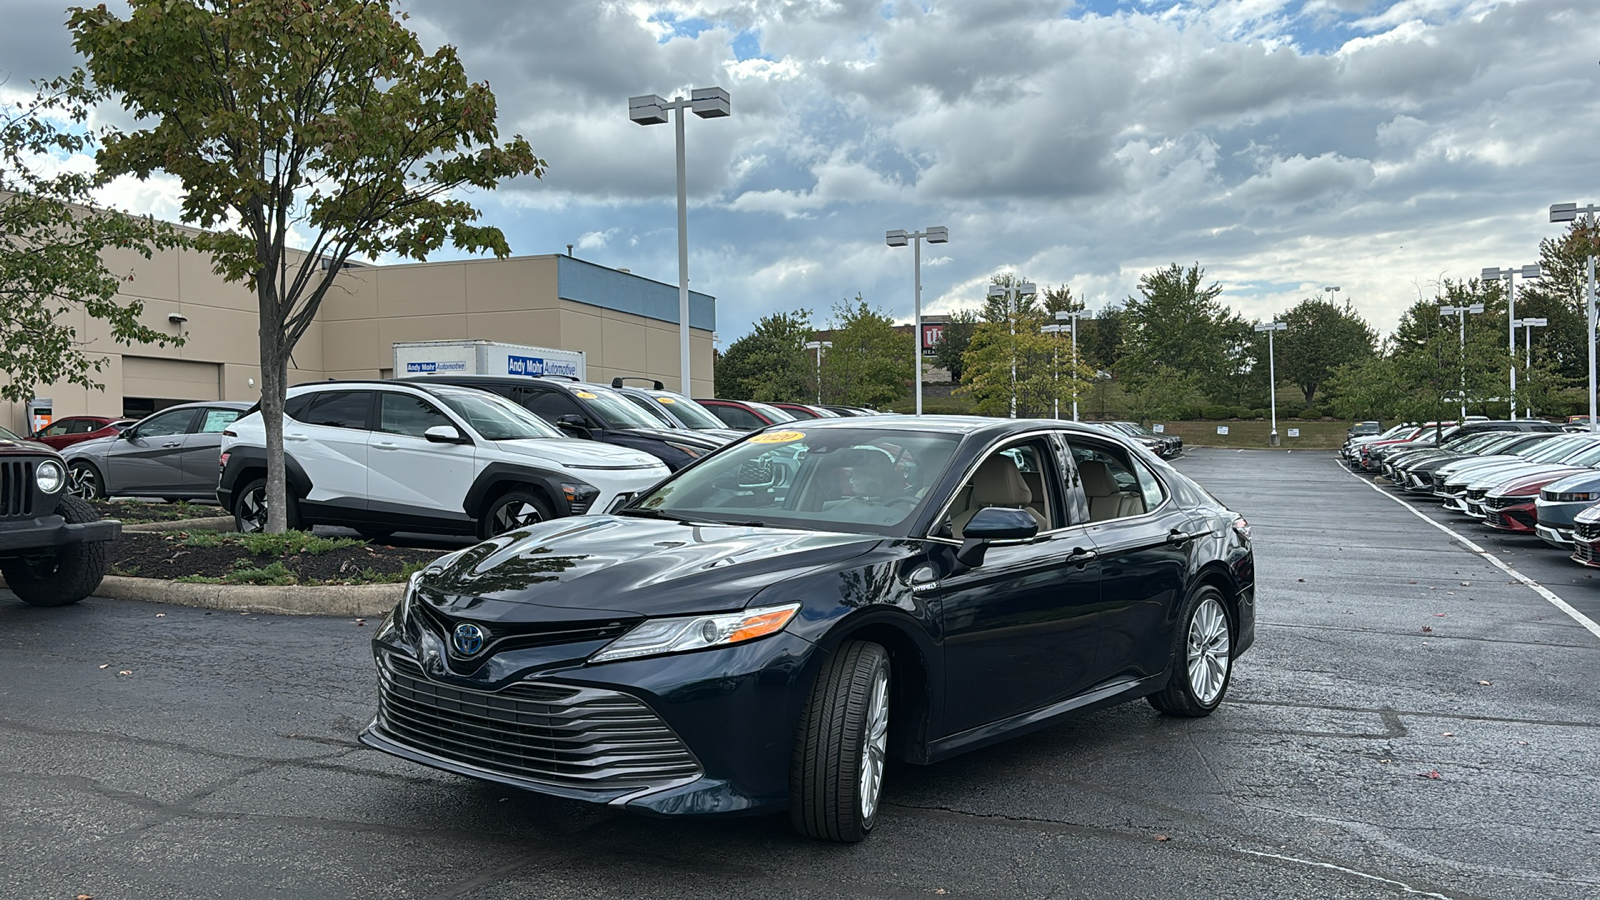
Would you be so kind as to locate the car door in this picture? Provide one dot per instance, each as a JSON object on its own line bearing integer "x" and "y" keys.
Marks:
{"x": 409, "y": 476}
{"x": 148, "y": 458}
{"x": 1144, "y": 541}
{"x": 1020, "y": 631}
{"x": 330, "y": 446}
{"x": 56, "y": 434}
{"x": 201, "y": 449}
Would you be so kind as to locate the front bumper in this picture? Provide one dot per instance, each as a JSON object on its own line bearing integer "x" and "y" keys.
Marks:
{"x": 1517, "y": 517}
{"x": 704, "y": 733}
{"x": 1559, "y": 538}
{"x": 1586, "y": 553}
{"x": 44, "y": 532}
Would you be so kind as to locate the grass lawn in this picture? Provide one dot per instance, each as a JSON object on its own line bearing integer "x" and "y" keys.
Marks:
{"x": 1251, "y": 434}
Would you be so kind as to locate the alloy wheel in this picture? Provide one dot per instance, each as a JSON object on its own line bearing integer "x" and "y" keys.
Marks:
{"x": 253, "y": 511}
{"x": 1209, "y": 651}
{"x": 83, "y": 483}
{"x": 514, "y": 515}
{"x": 874, "y": 744}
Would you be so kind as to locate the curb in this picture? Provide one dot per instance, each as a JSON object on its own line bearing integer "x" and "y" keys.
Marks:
{"x": 365, "y": 600}
{"x": 209, "y": 523}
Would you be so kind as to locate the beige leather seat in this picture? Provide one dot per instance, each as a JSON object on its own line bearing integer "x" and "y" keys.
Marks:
{"x": 996, "y": 483}
{"x": 1107, "y": 500}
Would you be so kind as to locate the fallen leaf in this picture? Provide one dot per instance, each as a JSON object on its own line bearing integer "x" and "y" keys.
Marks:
{"x": 1162, "y": 837}
{"x": 1411, "y": 582}
{"x": 126, "y": 672}
{"x": 1466, "y": 584}
{"x": 85, "y": 897}
{"x": 1427, "y": 628}
{"x": 1448, "y": 733}
{"x": 1384, "y": 761}
{"x": 161, "y": 615}
{"x": 1486, "y": 683}
{"x": 1433, "y": 774}
{"x": 105, "y": 665}
{"x": 1522, "y": 743}
{"x": 1438, "y": 615}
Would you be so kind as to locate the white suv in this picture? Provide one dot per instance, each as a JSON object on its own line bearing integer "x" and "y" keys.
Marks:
{"x": 382, "y": 457}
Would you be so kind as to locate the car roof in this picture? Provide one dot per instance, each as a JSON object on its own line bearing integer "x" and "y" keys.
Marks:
{"x": 965, "y": 425}
{"x": 205, "y": 404}
{"x": 470, "y": 380}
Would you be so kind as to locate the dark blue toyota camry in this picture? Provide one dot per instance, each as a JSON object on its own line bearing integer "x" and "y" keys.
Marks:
{"x": 768, "y": 627}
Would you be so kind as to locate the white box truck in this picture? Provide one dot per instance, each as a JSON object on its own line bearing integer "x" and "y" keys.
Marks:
{"x": 414, "y": 358}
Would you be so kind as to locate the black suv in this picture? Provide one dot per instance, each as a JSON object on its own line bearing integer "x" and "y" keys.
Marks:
{"x": 52, "y": 544}
{"x": 589, "y": 411}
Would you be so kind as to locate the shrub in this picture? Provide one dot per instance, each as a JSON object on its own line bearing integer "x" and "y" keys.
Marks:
{"x": 1216, "y": 412}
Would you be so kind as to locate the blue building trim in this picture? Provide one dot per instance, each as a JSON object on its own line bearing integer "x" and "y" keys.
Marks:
{"x": 595, "y": 285}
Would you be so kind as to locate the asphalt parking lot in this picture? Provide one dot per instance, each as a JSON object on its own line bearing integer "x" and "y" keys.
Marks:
{"x": 1412, "y": 722}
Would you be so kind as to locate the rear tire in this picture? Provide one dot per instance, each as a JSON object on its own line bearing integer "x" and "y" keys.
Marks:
{"x": 512, "y": 510}
{"x": 66, "y": 576}
{"x": 250, "y": 509}
{"x": 1202, "y": 657}
{"x": 836, "y": 773}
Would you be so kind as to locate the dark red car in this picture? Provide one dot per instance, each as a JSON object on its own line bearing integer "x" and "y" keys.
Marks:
{"x": 1510, "y": 506}
{"x": 745, "y": 415}
{"x": 69, "y": 430}
{"x": 804, "y": 411}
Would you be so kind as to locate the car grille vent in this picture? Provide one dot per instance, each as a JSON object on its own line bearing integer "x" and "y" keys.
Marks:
{"x": 1587, "y": 531}
{"x": 512, "y": 636}
{"x": 1477, "y": 494}
{"x": 1503, "y": 502}
{"x": 547, "y": 733}
{"x": 16, "y": 488}
{"x": 1585, "y": 553}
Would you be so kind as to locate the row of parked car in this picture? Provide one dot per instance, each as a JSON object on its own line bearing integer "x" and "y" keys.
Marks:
{"x": 1525, "y": 477}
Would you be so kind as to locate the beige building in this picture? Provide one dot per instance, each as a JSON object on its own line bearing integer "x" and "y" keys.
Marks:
{"x": 624, "y": 324}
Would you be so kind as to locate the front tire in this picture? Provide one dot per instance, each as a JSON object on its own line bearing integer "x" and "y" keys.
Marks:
{"x": 512, "y": 510}
{"x": 1202, "y": 660}
{"x": 84, "y": 481}
{"x": 250, "y": 509}
{"x": 836, "y": 774}
{"x": 65, "y": 576}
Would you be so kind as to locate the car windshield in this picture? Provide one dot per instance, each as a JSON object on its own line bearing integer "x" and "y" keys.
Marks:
{"x": 8, "y": 436}
{"x": 689, "y": 412}
{"x": 772, "y": 412}
{"x": 1551, "y": 450}
{"x": 852, "y": 480}
{"x": 494, "y": 417}
{"x": 1588, "y": 456}
{"x": 613, "y": 409}
{"x": 1496, "y": 442}
{"x": 1136, "y": 428}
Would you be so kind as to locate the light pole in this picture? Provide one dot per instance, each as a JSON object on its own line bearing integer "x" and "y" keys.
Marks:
{"x": 1527, "y": 326}
{"x": 1013, "y": 296}
{"x": 1510, "y": 275}
{"x": 1567, "y": 212}
{"x": 1331, "y": 289}
{"x": 1461, "y": 312}
{"x": 938, "y": 234}
{"x": 1055, "y": 371}
{"x": 817, "y": 346}
{"x": 1072, "y": 316}
{"x": 1272, "y": 376}
{"x": 651, "y": 109}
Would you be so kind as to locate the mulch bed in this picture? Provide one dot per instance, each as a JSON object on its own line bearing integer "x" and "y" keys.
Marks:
{"x": 165, "y": 555}
{"x": 133, "y": 512}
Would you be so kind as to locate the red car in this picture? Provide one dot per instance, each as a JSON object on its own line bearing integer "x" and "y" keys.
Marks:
{"x": 745, "y": 415}
{"x": 802, "y": 411}
{"x": 1509, "y": 506}
{"x": 65, "y": 432}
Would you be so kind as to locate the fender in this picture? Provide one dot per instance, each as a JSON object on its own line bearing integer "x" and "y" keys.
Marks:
{"x": 499, "y": 473}
{"x": 247, "y": 459}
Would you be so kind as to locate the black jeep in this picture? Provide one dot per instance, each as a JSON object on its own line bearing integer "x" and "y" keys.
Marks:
{"x": 52, "y": 545}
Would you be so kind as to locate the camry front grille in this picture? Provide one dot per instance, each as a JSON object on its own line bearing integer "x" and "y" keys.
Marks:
{"x": 533, "y": 731}
{"x": 16, "y": 488}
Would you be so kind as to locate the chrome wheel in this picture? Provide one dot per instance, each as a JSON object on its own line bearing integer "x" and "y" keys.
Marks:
{"x": 1209, "y": 651}
{"x": 252, "y": 513}
{"x": 874, "y": 745}
{"x": 83, "y": 482}
{"x": 514, "y": 515}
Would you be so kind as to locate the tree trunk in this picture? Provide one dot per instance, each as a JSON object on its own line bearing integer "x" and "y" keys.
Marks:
{"x": 274, "y": 382}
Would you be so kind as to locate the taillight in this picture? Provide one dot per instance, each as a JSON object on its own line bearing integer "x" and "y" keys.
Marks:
{"x": 222, "y": 461}
{"x": 1241, "y": 528}
{"x": 227, "y": 433}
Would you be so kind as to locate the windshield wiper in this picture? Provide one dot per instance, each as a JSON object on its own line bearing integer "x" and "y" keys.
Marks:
{"x": 640, "y": 512}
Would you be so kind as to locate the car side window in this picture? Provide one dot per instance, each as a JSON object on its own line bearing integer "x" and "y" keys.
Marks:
{"x": 1020, "y": 475}
{"x": 217, "y": 419}
{"x": 1149, "y": 486}
{"x": 84, "y": 426}
{"x": 734, "y": 417}
{"x": 651, "y": 407}
{"x": 295, "y": 407}
{"x": 166, "y": 423}
{"x": 57, "y": 429}
{"x": 552, "y": 405}
{"x": 340, "y": 409}
{"x": 1107, "y": 477}
{"x": 408, "y": 414}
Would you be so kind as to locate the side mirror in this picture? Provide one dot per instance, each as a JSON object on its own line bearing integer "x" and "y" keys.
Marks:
{"x": 574, "y": 423}
{"x": 444, "y": 434}
{"x": 127, "y": 434}
{"x": 993, "y": 523}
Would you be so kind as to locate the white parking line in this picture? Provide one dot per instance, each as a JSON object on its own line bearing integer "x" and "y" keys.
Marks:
{"x": 1589, "y": 624}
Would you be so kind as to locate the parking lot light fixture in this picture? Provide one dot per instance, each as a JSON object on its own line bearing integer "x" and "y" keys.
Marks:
{"x": 1013, "y": 296}
{"x": 652, "y": 109}
{"x": 1510, "y": 274}
{"x": 1462, "y": 312}
{"x": 1055, "y": 370}
{"x": 1527, "y": 326}
{"x": 938, "y": 234}
{"x": 817, "y": 346}
{"x": 1074, "y": 316}
{"x": 1568, "y": 212}
{"x": 1272, "y": 376}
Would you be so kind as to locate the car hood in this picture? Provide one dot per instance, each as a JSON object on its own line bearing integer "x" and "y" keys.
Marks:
{"x": 591, "y": 566}
{"x": 1578, "y": 481}
{"x": 677, "y": 435}
{"x": 1527, "y": 485}
{"x": 580, "y": 454}
{"x": 1489, "y": 479}
{"x": 721, "y": 435}
{"x": 95, "y": 447}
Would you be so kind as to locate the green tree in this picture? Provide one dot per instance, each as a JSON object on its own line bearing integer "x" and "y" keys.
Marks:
{"x": 1161, "y": 392}
{"x": 1178, "y": 322}
{"x": 1558, "y": 297}
{"x": 1010, "y": 357}
{"x": 955, "y": 342}
{"x": 51, "y": 267}
{"x": 1100, "y": 340}
{"x": 771, "y": 362}
{"x": 1320, "y": 338}
{"x": 325, "y": 121}
{"x": 869, "y": 363}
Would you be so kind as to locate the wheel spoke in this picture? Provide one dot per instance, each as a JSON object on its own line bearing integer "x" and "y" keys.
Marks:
{"x": 1209, "y": 646}
{"x": 874, "y": 744}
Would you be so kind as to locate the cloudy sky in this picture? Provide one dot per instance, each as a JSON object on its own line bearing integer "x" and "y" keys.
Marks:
{"x": 1285, "y": 145}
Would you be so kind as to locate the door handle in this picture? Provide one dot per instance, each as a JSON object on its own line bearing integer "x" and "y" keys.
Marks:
{"x": 294, "y": 437}
{"x": 1178, "y": 536}
{"x": 1081, "y": 557}
{"x": 171, "y": 445}
{"x": 385, "y": 445}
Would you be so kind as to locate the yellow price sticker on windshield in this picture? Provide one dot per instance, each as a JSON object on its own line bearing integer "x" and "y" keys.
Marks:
{"x": 778, "y": 437}
{"x": 586, "y": 395}
{"x": 667, "y": 400}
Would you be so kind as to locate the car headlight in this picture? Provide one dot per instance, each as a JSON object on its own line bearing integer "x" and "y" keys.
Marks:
{"x": 691, "y": 451}
{"x": 49, "y": 476}
{"x": 681, "y": 634}
{"x": 1573, "y": 497}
